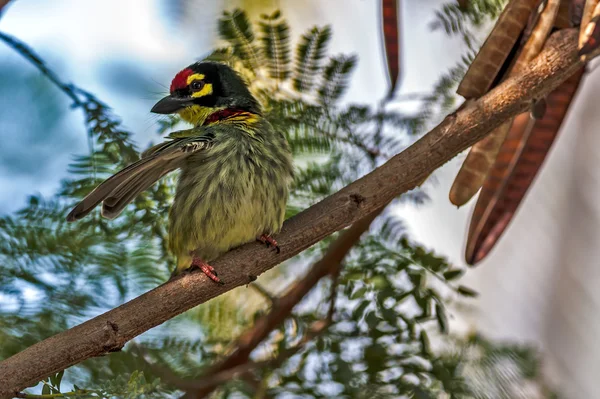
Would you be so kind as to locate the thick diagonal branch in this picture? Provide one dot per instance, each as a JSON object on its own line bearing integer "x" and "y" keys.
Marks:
{"x": 111, "y": 330}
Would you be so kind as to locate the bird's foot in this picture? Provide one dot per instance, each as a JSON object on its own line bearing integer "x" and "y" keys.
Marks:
{"x": 268, "y": 241}
{"x": 207, "y": 269}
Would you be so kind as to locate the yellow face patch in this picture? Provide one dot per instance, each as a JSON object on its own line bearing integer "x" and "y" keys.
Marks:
{"x": 205, "y": 91}
{"x": 195, "y": 76}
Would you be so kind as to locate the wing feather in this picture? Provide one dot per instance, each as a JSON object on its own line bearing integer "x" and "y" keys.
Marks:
{"x": 113, "y": 206}
{"x": 120, "y": 189}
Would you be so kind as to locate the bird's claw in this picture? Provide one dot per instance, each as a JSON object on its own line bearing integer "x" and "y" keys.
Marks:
{"x": 268, "y": 241}
{"x": 207, "y": 269}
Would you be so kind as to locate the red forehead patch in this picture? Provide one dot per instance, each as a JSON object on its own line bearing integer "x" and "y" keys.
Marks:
{"x": 180, "y": 80}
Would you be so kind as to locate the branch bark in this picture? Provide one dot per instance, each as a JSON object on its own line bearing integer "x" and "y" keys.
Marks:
{"x": 111, "y": 330}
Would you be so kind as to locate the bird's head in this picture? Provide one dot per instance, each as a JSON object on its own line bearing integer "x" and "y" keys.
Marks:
{"x": 204, "y": 88}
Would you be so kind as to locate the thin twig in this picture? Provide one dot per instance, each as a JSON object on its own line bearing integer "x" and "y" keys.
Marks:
{"x": 32, "y": 57}
{"x": 73, "y": 92}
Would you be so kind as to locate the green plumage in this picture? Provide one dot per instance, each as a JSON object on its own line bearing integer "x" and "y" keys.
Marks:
{"x": 231, "y": 193}
{"x": 235, "y": 168}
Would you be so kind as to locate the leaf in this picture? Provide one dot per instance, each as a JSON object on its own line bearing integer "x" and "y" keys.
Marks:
{"x": 310, "y": 51}
{"x": 441, "y": 318}
{"x": 235, "y": 28}
{"x": 468, "y": 292}
{"x": 419, "y": 279}
{"x": 357, "y": 314}
{"x": 275, "y": 41}
{"x": 359, "y": 293}
{"x": 420, "y": 393}
{"x": 56, "y": 379}
{"x": 425, "y": 343}
{"x": 380, "y": 282}
{"x": 335, "y": 78}
{"x": 372, "y": 320}
{"x": 453, "y": 274}
{"x": 390, "y": 316}
{"x": 343, "y": 370}
{"x": 375, "y": 356}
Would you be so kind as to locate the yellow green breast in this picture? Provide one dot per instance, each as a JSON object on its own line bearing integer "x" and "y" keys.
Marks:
{"x": 228, "y": 196}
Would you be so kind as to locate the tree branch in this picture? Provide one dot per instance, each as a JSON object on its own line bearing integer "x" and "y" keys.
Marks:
{"x": 111, "y": 330}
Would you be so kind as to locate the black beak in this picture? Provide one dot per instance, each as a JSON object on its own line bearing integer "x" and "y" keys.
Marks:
{"x": 169, "y": 105}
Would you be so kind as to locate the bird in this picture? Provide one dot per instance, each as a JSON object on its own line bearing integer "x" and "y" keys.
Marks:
{"x": 235, "y": 170}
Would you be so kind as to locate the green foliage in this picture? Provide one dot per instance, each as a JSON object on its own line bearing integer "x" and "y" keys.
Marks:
{"x": 480, "y": 368}
{"x": 275, "y": 43}
{"x": 236, "y": 29}
{"x": 379, "y": 341}
{"x": 456, "y": 20}
{"x": 133, "y": 387}
{"x": 310, "y": 52}
{"x": 335, "y": 79}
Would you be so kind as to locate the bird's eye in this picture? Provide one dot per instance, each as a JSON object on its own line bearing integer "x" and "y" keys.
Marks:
{"x": 196, "y": 85}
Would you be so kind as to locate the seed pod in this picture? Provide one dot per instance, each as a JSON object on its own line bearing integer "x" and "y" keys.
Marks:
{"x": 518, "y": 163}
{"x": 483, "y": 153}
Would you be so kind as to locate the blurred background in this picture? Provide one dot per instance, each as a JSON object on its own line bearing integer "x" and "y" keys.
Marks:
{"x": 538, "y": 286}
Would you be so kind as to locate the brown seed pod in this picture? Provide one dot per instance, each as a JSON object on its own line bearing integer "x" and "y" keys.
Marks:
{"x": 485, "y": 67}
{"x": 517, "y": 165}
{"x": 483, "y": 154}
{"x": 586, "y": 17}
{"x": 590, "y": 36}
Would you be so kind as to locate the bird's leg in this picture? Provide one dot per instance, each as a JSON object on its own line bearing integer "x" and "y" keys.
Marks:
{"x": 206, "y": 269}
{"x": 268, "y": 241}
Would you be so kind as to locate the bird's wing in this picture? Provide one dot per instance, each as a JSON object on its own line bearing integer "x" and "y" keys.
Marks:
{"x": 120, "y": 189}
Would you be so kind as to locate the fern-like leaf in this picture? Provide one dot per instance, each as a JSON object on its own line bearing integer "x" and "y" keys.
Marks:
{"x": 236, "y": 29}
{"x": 336, "y": 78}
{"x": 309, "y": 53}
{"x": 275, "y": 39}
{"x": 457, "y": 20}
